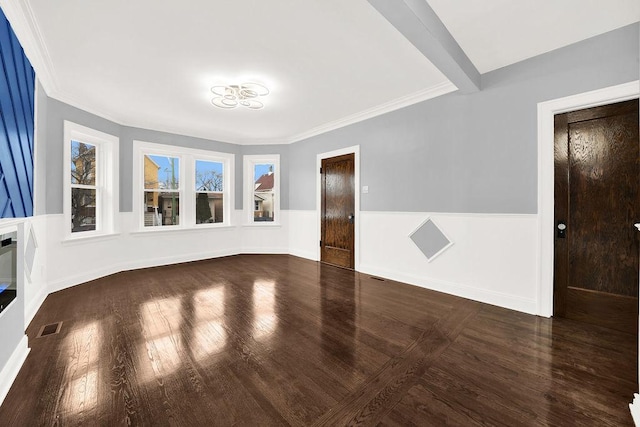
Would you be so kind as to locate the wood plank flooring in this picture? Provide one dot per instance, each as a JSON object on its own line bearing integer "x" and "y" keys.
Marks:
{"x": 278, "y": 340}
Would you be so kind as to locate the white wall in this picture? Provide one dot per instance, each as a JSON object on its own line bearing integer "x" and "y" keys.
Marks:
{"x": 493, "y": 258}
{"x": 73, "y": 262}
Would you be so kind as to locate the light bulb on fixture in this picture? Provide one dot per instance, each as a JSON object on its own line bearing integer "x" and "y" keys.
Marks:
{"x": 245, "y": 95}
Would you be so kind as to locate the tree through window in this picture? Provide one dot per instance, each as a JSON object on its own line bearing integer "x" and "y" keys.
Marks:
{"x": 209, "y": 180}
{"x": 84, "y": 191}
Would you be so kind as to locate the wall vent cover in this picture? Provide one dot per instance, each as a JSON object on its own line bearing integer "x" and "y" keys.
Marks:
{"x": 51, "y": 329}
{"x": 430, "y": 239}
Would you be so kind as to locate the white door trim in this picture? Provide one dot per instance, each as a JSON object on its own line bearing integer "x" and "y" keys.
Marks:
{"x": 348, "y": 150}
{"x": 546, "y": 111}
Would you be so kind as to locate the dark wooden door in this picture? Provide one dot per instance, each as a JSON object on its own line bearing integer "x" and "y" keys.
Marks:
{"x": 338, "y": 211}
{"x": 597, "y": 172}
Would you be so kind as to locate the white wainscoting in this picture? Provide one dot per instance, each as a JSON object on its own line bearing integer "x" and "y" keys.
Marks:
{"x": 63, "y": 263}
{"x": 265, "y": 238}
{"x": 303, "y": 234}
{"x": 493, "y": 258}
{"x": 73, "y": 262}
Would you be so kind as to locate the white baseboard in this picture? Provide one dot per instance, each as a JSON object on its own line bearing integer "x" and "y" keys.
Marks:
{"x": 465, "y": 291}
{"x": 12, "y": 367}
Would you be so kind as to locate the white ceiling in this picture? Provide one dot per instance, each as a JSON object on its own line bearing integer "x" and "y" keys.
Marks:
{"x": 152, "y": 63}
{"x": 497, "y": 33}
{"x": 328, "y": 63}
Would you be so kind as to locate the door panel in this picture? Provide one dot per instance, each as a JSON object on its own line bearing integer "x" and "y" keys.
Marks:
{"x": 596, "y": 196}
{"x": 603, "y": 197}
{"x": 337, "y": 210}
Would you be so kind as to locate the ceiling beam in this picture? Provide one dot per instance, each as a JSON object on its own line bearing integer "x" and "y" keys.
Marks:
{"x": 421, "y": 26}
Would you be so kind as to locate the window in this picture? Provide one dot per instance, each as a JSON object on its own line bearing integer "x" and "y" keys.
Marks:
{"x": 181, "y": 187}
{"x": 209, "y": 180}
{"x": 262, "y": 189}
{"x": 161, "y": 190}
{"x": 90, "y": 173}
{"x": 84, "y": 190}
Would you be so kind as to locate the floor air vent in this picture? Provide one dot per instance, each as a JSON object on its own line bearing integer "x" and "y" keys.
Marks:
{"x": 377, "y": 278}
{"x": 51, "y": 329}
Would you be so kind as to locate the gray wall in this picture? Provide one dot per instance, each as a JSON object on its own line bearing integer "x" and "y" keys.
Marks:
{"x": 474, "y": 153}
{"x": 50, "y": 148}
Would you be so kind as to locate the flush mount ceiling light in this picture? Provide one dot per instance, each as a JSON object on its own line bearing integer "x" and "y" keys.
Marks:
{"x": 245, "y": 95}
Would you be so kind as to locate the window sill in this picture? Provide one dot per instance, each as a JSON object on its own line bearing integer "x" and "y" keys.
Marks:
{"x": 77, "y": 240}
{"x": 167, "y": 230}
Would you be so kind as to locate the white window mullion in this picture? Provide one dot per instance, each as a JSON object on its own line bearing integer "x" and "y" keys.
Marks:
{"x": 187, "y": 185}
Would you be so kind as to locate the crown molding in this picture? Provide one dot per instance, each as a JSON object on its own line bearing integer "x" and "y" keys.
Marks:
{"x": 25, "y": 25}
{"x": 387, "y": 107}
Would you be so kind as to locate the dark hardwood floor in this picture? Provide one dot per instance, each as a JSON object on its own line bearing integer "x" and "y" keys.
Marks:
{"x": 276, "y": 340}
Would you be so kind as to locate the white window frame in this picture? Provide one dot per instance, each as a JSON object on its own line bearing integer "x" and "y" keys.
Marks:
{"x": 107, "y": 186}
{"x": 187, "y": 188}
{"x": 249, "y": 185}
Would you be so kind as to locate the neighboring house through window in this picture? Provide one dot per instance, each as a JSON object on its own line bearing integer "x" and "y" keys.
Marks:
{"x": 161, "y": 190}
{"x": 263, "y": 188}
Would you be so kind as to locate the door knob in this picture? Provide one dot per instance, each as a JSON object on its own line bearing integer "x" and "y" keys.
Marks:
{"x": 562, "y": 230}
{"x": 351, "y": 218}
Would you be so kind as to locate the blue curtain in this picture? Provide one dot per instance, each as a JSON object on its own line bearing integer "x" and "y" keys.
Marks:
{"x": 16, "y": 126}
